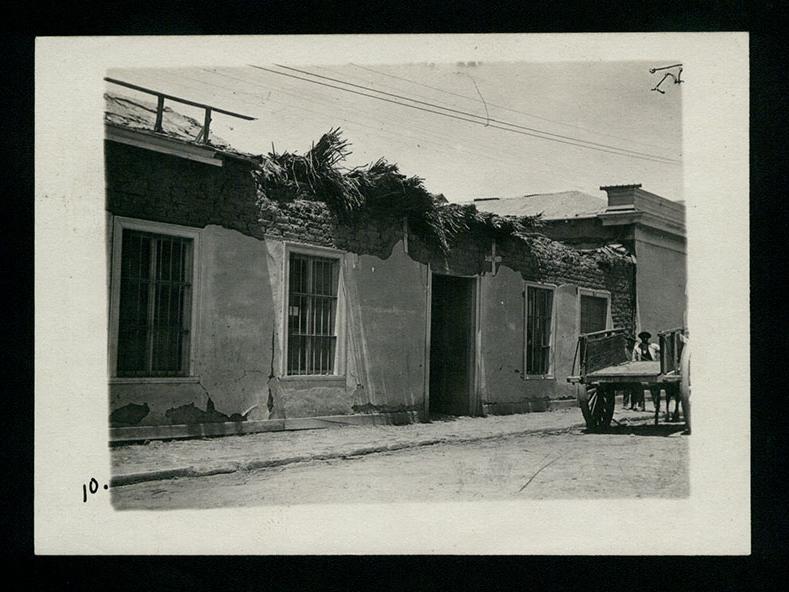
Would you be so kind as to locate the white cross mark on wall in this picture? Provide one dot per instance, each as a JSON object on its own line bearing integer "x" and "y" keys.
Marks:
{"x": 493, "y": 258}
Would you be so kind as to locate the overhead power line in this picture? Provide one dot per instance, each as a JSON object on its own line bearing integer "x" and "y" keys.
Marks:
{"x": 510, "y": 109}
{"x": 440, "y": 142}
{"x": 448, "y": 112}
{"x": 468, "y": 114}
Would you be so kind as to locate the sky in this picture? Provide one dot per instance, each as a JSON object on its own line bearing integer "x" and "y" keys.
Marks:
{"x": 547, "y": 109}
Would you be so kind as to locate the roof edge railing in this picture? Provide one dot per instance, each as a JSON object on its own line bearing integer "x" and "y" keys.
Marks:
{"x": 202, "y": 137}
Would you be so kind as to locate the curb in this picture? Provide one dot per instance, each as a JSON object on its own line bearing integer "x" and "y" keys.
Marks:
{"x": 562, "y": 404}
{"x": 569, "y": 403}
{"x": 191, "y": 471}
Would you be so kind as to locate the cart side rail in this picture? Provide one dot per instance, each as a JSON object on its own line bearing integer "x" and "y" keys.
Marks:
{"x": 671, "y": 344}
{"x": 600, "y": 349}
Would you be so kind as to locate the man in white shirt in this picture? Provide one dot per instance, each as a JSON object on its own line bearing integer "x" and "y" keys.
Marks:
{"x": 645, "y": 350}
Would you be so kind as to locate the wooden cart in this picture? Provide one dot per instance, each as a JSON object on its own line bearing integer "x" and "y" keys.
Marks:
{"x": 605, "y": 367}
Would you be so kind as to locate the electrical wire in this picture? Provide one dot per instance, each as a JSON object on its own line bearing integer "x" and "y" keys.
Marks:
{"x": 466, "y": 113}
{"x": 441, "y": 137}
{"x": 442, "y": 147}
{"x": 511, "y": 110}
{"x": 593, "y": 146}
{"x": 410, "y": 140}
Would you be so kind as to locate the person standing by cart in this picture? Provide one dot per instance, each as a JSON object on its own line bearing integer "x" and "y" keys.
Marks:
{"x": 646, "y": 351}
{"x": 633, "y": 393}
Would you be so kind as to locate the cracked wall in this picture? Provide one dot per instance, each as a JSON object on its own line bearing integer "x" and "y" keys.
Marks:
{"x": 238, "y": 339}
{"x": 388, "y": 317}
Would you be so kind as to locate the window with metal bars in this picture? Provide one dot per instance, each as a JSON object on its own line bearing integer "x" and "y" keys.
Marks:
{"x": 312, "y": 314}
{"x": 155, "y": 305}
{"x": 539, "y": 305}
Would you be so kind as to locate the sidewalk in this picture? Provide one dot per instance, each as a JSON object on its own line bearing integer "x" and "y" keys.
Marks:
{"x": 156, "y": 460}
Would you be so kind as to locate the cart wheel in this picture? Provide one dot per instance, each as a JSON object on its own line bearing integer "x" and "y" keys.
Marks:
{"x": 597, "y": 405}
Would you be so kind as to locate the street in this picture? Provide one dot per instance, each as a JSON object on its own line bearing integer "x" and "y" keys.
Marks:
{"x": 631, "y": 460}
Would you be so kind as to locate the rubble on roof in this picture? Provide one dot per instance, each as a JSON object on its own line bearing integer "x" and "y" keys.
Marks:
{"x": 377, "y": 190}
{"x": 561, "y": 205}
{"x": 140, "y": 115}
{"x": 547, "y": 250}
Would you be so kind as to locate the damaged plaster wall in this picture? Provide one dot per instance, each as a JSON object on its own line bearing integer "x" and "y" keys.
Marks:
{"x": 232, "y": 354}
{"x": 295, "y": 396}
{"x": 502, "y": 326}
{"x": 158, "y": 396}
{"x": 503, "y": 383}
{"x": 235, "y": 301}
{"x": 566, "y": 331}
{"x": 387, "y": 328}
{"x": 239, "y": 336}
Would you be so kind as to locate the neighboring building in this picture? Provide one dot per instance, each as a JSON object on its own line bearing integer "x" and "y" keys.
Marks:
{"x": 649, "y": 226}
{"x": 233, "y": 312}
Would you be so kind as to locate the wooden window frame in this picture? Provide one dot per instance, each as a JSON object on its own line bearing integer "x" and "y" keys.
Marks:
{"x": 341, "y": 320}
{"x": 551, "y": 356}
{"x": 597, "y": 294}
{"x": 119, "y": 224}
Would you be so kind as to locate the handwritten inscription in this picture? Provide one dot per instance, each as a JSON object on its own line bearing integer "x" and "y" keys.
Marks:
{"x": 677, "y": 78}
{"x": 91, "y": 488}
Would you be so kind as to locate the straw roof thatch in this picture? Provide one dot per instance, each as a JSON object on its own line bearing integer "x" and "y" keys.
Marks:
{"x": 379, "y": 190}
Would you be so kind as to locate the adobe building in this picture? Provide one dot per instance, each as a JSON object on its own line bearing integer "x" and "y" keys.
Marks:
{"x": 648, "y": 225}
{"x": 236, "y": 307}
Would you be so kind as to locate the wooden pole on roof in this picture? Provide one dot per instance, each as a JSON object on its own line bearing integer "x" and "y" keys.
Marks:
{"x": 159, "y": 113}
{"x": 160, "y": 97}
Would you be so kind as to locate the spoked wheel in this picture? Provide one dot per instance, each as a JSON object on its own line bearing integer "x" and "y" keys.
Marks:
{"x": 597, "y": 405}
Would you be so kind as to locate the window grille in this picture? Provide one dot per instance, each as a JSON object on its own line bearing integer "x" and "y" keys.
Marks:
{"x": 312, "y": 312}
{"x": 539, "y": 304}
{"x": 155, "y": 305}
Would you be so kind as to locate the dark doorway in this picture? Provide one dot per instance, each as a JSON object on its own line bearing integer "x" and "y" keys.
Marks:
{"x": 451, "y": 345}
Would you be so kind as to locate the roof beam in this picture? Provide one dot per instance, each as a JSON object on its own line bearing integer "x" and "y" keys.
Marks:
{"x": 163, "y": 144}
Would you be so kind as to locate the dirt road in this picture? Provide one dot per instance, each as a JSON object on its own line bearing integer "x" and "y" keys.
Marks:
{"x": 627, "y": 462}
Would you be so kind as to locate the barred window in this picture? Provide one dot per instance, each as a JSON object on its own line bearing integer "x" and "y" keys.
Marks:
{"x": 155, "y": 305}
{"x": 539, "y": 304}
{"x": 312, "y": 314}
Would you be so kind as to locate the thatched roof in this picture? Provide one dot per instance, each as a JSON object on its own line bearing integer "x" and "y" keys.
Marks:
{"x": 378, "y": 189}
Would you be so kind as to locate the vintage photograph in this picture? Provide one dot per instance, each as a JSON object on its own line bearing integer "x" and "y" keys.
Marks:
{"x": 373, "y": 283}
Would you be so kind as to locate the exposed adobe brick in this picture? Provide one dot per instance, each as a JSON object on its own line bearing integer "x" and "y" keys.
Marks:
{"x": 154, "y": 186}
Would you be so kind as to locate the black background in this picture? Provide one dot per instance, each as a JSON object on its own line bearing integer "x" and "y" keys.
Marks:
{"x": 768, "y": 398}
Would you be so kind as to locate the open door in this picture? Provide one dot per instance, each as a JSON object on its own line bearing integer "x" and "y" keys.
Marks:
{"x": 452, "y": 351}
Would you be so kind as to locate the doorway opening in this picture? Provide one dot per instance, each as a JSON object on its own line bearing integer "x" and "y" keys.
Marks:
{"x": 452, "y": 352}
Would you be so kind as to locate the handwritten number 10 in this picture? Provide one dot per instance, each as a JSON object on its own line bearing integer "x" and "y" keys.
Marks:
{"x": 92, "y": 487}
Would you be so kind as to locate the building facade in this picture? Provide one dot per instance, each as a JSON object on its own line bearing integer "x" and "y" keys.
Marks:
{"x": 648, "y": 225}
{"x": 232, "y": 310}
